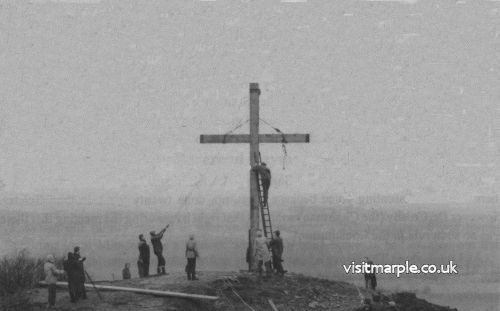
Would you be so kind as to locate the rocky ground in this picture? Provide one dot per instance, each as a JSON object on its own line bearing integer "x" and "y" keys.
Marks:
{"x": 236, "y": 291}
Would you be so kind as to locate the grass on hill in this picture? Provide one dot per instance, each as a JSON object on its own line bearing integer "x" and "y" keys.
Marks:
{"x": 19, "y": 273}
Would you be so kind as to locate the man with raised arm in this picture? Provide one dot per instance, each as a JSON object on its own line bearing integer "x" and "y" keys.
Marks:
{"x": 158, "y": 249}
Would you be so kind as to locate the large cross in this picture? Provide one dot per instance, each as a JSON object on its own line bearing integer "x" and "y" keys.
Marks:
{"x": 254, "y": 138}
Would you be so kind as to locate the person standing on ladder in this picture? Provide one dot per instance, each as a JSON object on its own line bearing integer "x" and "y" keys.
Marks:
{"x": 265, "y": 177}
{"x": 158, "y": 249}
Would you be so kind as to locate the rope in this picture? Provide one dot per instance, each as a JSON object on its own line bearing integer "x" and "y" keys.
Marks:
{"x": 230, "y": 285}
{"x": 188, "y": 195}
{"x": 227, "y": 282}
{"x": 93, "y": 285}
{"x": 283, "y": 140}
{"x": 234, "y": 129}
{"x": 360, "y": 295}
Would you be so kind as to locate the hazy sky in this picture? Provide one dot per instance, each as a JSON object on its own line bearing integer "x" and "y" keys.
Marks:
{"x": 397, "y": 96}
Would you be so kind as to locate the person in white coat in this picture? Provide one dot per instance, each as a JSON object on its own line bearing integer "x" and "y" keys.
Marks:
{"x": 51, "y": 273}
{"x": 262, "y": 254}
{"x": 191, "y": 255}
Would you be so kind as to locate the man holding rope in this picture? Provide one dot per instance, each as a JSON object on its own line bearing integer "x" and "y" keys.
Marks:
{"x": 158, "y": 249}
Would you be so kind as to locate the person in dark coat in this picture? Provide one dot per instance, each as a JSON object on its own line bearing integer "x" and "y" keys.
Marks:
{"x": 158, "y": 249}
{"x": 126, "y": 272}
{"x": 144, "y": 254}
{"x": 71, "y": 268}
{"x": 370, "y": 278}
{"x": 277, "y": 251}
{"x": 248, "y": 259}
{"x": 80, "y": 282}
{"x": 265, "y": 177}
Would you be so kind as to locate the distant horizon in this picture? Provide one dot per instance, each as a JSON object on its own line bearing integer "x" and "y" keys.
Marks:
{"x": 116, "y": 194}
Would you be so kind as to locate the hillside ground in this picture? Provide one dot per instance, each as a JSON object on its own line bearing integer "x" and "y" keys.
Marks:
{"x": 236, "y": 291}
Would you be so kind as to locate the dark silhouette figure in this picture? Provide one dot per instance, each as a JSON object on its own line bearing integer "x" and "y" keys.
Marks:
{"x": 126, "y": 272}
{"x": 80, "y": 281}
{"x": 72, "y": 271}
{"x": 370, "y": 278}
{"x": 277, "y": 251}
{"x": 144, "y": 254}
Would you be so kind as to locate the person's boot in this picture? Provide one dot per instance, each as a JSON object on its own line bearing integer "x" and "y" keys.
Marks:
{"x": 189, "y": 276}
{"x": 163, "y": 271}
{"x": 194, "y": 278}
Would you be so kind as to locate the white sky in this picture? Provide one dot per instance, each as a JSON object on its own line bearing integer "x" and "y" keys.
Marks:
{"x": 114, "y": 94}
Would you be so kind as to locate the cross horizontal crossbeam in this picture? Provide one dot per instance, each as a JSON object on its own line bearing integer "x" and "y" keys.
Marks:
{"x": 263, "y": 138}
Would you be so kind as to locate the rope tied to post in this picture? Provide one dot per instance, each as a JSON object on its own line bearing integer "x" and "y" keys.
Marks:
{"x": 283, "y": 140}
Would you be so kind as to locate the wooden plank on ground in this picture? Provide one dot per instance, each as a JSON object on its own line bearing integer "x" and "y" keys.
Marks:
{"x": 141, "y": 291}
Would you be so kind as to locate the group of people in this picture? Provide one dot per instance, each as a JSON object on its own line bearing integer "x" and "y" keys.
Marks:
{"x": 191, "y": 254}
{"x": 267, "y": 251}
{"x": 144, "y": 253}
{"x": 73, "y": 268}
{"x": 269, "y": 254}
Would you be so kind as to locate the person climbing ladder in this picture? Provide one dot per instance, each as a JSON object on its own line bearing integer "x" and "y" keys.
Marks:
{"x": 265, "y": 177}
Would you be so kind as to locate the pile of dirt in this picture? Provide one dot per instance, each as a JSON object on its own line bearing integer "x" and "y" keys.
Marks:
{"x": 239, "y": 291}
{"x": 293, "y": 292}
{"x": 409, "y": 302}
{"x": 298, "y": 292}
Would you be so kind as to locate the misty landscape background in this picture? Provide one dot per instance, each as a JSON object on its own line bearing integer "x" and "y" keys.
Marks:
{"x": 319, "y": 238}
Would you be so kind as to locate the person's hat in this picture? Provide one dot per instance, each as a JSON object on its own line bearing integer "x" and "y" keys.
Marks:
{"x": 152, "y": 232}
{"x": 277, "y": 232}
{"x": 77, "y": 248}
{"x": 264, "y": 163}
{"x": 50, "y": 258}
{"x": 141, "y": 236}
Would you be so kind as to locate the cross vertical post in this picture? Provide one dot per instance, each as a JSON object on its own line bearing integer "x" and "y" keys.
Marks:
{"x": 254, "y": 154}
